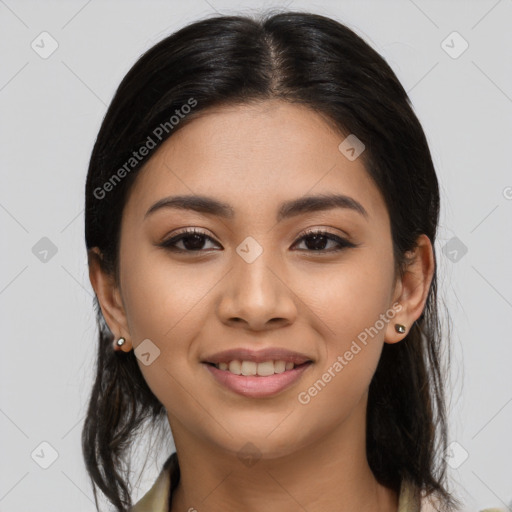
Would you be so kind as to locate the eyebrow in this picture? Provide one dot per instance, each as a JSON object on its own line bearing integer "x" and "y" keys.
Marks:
{"x": 287, "y": 209}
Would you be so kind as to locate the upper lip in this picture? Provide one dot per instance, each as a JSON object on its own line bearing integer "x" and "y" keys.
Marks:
{"x": 257, "y": 356}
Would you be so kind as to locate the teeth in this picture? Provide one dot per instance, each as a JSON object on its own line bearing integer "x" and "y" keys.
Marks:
{"x": 279, "y": 366}
{"x": 265, "y": 369}
{"x": 249, "y": 368}
{"x": 235, "y": 367}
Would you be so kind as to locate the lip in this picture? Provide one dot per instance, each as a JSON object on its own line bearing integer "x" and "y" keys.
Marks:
{"x": 257, "y": 386}
{"x": 257, "y": 356}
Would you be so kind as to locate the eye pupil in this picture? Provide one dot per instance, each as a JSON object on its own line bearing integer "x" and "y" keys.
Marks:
{"x": 318, "y": 243}
{"x": 197, "y": 242}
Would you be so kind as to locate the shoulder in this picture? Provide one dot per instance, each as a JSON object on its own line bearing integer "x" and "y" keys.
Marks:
{"x": 157, "y": 498}
{"x": 431, "y": 505}
{"x": 410, "y": 500}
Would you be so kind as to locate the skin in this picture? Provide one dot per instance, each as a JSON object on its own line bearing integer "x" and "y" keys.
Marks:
{"x": 190, "y": 305}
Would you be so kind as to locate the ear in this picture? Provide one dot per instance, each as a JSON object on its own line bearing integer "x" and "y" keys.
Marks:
{"x": 109, "y": 298}
{"x": 412, "y": 289}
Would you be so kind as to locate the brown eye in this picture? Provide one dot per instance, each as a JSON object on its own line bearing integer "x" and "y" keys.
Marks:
{"x": 317, "y": 240}
{"x": 191, "y": 240}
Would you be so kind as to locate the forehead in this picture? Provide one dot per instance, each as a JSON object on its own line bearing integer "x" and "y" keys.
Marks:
{"x": 254, "y": 157}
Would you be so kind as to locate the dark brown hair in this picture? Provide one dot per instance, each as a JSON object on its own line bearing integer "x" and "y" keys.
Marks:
{"x": 317, "y": 62}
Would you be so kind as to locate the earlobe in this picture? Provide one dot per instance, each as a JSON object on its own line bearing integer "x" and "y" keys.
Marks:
{"x": 108, "y": 297}
{"x": 413, "y": 288}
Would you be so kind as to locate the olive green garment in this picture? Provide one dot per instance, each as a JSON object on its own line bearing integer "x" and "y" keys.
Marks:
{"x": 157, "y": 498}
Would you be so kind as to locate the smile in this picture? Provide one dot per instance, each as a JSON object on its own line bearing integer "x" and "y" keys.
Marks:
{"x": 257, "y": 380}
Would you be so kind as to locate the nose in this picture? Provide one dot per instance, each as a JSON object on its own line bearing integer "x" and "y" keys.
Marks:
{"x": 256, "y": 296}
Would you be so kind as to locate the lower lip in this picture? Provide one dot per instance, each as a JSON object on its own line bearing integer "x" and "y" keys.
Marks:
{"x": 256, "y": 386}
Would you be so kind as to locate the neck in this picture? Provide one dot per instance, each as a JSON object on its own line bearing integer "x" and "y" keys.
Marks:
{"x": 329, "y": 474}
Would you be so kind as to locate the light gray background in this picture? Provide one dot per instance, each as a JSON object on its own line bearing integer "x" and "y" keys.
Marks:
{"x": 51, "y": 111}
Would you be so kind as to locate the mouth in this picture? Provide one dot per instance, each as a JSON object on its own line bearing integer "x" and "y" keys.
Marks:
{"x": 257, "y": 380}
{"x": 257, "y": 373}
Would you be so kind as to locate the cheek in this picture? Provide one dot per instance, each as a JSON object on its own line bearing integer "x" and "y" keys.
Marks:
{"x": 161, "y": 296}
{"x": 349, "y": 298}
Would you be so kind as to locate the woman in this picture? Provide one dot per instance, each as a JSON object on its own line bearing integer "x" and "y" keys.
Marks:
{"x": 261, "y": 212}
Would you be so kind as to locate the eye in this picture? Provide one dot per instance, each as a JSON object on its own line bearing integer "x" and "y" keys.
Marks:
{"x": 318, "y": 239}
{"x": 193, "y": 241}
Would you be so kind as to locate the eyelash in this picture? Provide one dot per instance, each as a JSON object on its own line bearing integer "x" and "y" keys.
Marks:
{"x": 342, "y": 242}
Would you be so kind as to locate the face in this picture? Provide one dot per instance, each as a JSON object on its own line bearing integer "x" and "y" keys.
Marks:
{"x": 254, "y": 279}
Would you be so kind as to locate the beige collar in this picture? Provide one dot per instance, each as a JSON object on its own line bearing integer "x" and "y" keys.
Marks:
{"x": 157, "y": 498}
